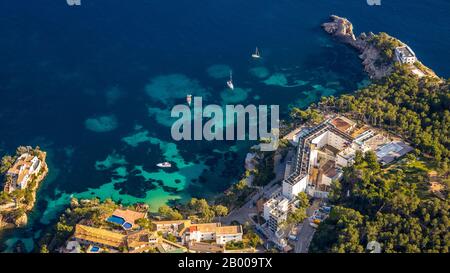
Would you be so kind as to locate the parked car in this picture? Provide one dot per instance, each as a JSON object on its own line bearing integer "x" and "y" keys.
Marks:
{"x": 326, "y": 209}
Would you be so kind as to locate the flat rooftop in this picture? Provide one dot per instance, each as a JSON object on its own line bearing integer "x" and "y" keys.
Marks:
{"x": 226, "y": 230}
{"x": 343, "y": 124}
{"x": 205, "y": 247}
{"x": 172, "y": 222}
{"x": 405, "y": 51}
{"x": 393, "y": 150}
{"x": 330, "y": 148}
{"x": 209, "y": 227}
{"x": 301, "y": 159}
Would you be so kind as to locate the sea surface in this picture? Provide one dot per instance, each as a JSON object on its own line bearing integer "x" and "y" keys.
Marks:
{"x": 93, "y": 85}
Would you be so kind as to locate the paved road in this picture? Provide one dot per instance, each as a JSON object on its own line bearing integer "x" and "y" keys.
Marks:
{"x": 305, "y": 235}
{"x": 306, "y": 232}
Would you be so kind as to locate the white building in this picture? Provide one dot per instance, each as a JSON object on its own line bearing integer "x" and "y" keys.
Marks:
{"x": 213, "y": 232}
{"x": 292, "y": 189}
{"x": 405, "y": 55}
{"x": 202, "y": 232}
{"x": 276, "y": 211}
{"x": 22, "y": 171}
{"x": 228, "y": 234}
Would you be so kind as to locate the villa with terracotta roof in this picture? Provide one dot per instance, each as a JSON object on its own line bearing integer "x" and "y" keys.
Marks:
{"x": 141, "y": 241}
{"x": 126, "y": 218}
{"x": 100, "y": 237}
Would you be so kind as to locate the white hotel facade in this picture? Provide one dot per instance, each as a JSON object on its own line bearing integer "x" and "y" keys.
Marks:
{"x": 314, "y": 147}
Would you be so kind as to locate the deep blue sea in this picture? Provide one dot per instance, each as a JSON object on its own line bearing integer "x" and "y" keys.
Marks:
{"x": 93, "y": 85}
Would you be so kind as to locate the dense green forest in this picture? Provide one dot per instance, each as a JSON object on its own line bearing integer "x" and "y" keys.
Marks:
{"x": 393, "y": 205}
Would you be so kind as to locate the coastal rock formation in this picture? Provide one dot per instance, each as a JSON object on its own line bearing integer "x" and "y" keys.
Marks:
{"x": 342, "y": 29}
{"x": 21, "y": 221}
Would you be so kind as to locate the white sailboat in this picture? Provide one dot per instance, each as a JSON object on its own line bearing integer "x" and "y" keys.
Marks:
{"x": 230, "y": 82}
{"x": 189, "y": 99}
{"x": 256, "y": 55}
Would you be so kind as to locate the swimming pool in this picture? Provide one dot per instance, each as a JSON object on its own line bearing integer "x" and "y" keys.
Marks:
{"x": 120, "y": 221}
{"x": 116, "y": 219}
{"x": 95, "y": 249}
{"x": 127, "y": 225}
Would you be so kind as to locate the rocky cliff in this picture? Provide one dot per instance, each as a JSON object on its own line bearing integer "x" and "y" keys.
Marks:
{"x": 342, "y": 29}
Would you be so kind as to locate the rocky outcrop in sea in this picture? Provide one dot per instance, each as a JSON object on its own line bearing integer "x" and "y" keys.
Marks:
{"x": 342, "y": 29}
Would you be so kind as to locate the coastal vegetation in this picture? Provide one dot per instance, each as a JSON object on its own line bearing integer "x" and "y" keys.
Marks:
{"x": 90, "y": 211}
{"x": 236, "y": 195}
{"x": 250, "y": 240}
{"x": 309, "y": 115}
{"x": 198, "y": 210}
{"x": 386, "y": 46}
{"x": 299, "y": 213}
{"x": 264, "y": 172}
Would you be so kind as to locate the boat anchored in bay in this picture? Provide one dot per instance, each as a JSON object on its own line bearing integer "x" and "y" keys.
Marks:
{"x": 164, "y": 165}
{"x": 189, "y": 99}
{"x": 230, "y": 82}
{"x": 256, "y": 55}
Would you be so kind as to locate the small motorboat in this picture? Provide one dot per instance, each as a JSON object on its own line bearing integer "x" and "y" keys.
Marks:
{"x": 189, "y": 99}
{"x": 164, "y": 165}
{"x": 256, "y": 55}
{"x": 230, "y": 82}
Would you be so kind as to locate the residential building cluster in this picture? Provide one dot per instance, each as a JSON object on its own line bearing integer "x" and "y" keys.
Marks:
{"x": 322, "y": 153}
{"x": 189, "y": 237}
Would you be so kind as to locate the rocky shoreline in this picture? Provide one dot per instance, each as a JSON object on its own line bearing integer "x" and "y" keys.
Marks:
{"x": 375, "y": 64}
{"x": 342, "y": 29}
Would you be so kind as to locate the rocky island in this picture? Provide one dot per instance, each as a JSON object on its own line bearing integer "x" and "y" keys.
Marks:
{"x": 21, "y": 175}
{"x": 379, "y": 52}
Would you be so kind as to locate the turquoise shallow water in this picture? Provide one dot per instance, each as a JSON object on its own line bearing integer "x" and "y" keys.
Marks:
{"x": 94, "y": 85}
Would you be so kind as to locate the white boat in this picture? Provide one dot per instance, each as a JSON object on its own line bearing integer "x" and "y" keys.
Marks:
{"x": 256, "y": 55}
{"x": 189, "y": 99}
{"x": 164, "y": 165}
{"x": 230, "y": 82}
